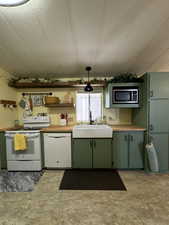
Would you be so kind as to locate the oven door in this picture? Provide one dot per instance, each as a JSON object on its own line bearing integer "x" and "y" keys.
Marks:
{"x": 33, "y": 151}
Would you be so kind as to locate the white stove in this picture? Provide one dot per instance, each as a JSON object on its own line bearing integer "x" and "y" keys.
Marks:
{"x": 29, "y": 159}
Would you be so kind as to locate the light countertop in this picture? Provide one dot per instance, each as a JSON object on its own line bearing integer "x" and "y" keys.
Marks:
{"x": 57, "y": 128}
{"x": 114, "y": 128}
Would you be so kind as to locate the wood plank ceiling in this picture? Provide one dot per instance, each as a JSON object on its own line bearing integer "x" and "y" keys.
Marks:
{"x": 61, "y": 37}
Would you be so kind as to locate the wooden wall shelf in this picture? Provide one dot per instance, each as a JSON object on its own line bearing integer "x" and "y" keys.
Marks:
{"x": 8, "y": 103}
{"x": 53, "y": 85}
{"x": 60, "y": 105}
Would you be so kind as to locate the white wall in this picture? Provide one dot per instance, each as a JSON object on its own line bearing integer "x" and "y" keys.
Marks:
{"x": 7, "y": 116}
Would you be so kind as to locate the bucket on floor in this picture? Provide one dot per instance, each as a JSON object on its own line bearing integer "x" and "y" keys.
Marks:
{"x": 152, "y": 157}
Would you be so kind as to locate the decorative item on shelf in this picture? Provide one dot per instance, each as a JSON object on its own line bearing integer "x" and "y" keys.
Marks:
{"x": 16, "y": 123}
{"x": 63, "y": 121}
{"x": 8, "y": 103}
{"x": 94, "y": 81}
{"x": 88, "y": 87}
{"x": 82, "y": 81}
{"x": 30, "y": 103}
{"x": 35, "y": 99}
{"x": 68, "y": 99}
{"x": 22, "y": 102}
{"x": 71, "y": 82}
{"x": 12, "y": 81}
{"x": 51, "y": 100}
{"x": 125, "y": 78}
{"x": 36, "y": 80}
{"x": 66, "y": 117}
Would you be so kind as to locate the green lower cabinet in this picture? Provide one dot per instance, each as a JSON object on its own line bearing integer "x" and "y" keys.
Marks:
{"x": 82, "y": 154}
{"x": 102, "y": 153}
{"x": 120, "y": 150}
{"x": 128, "y": 150}
{"x": 92, "y": 153}
{"x": 136, "y": 146}
{"x": 3, "y": 162}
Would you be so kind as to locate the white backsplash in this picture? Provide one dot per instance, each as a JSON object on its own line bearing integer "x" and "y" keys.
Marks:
{"x": 118, "y": 116}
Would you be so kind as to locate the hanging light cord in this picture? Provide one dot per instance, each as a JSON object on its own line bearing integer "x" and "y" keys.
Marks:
{"x": 90, "y": 112}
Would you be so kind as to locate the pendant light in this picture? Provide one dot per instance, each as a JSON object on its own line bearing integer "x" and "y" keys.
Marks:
{"x": 10, "y": 3}
{"x": 88, "y": 87}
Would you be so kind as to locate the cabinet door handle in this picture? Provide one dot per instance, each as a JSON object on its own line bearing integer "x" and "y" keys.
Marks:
{"x": 131, "y": 137}
{"x": 151, "y": 127}
{"x": 150, "y": 138}
{"x": 125, "y": 138}
{"x": 94, "y": 142}
{"x": 151, "y": 93}
{"x": 90, "y": 143}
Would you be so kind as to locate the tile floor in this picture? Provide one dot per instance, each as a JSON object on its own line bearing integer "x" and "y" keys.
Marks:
{"x": 146, "y": 202}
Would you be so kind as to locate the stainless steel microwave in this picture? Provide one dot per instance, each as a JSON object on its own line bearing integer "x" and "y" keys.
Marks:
{"x": 125, "y": 95}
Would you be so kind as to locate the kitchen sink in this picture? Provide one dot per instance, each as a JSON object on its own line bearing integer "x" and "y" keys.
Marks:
{"x": 92, "y": 131}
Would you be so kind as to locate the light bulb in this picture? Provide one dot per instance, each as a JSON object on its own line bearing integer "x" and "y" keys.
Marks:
{"x": 9, "y": 3}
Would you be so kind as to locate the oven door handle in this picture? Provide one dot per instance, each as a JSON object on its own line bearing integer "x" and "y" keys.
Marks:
{"x": 32, "y": 136}
{"x": 27, "y": 136}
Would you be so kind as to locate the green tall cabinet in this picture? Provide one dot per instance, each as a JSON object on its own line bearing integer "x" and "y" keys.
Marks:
{"x": 158, "y": 129}
{"x": 92, "y": 153}
{"x": 158, "y": 85}
{"x": 128, "y": 150}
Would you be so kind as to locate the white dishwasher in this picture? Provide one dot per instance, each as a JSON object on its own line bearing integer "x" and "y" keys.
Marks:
{"x": 57, "y": 150}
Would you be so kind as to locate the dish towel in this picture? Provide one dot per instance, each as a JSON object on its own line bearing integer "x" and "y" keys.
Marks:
{"x": 20, "y": 142}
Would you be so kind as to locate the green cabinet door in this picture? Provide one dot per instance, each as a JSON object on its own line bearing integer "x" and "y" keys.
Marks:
{"x": 159, "y": 115}
{"x": 159, "y": 83}
{"x": 3, "y": 162}
{"x": 102, "y": 153}
{"x": 1, "y": 150}
{"x": 161, "y": 144}
{"x": 120, "y": 150}
{"x": 82, "y": 153}
{"x": 136, "y": 145}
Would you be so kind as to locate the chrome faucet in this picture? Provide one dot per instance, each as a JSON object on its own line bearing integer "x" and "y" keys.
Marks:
{"x": 90, "y": 118}
{"x": 90, "y": 113}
